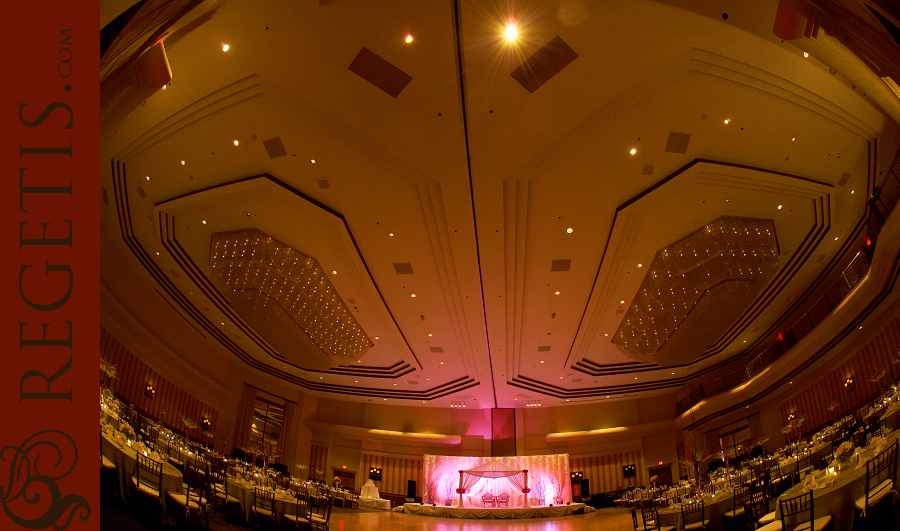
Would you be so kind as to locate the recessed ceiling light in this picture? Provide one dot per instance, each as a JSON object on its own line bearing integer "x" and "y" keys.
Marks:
{"x": 408, "y": 39}
{"x": 157, "y": 253}
{"x": 247, "y": 213}
{"x": 182, "y": 163}
{"x": 225, "y": 47}
{"x": 605, "y": 335}
{"x": 727, "y": 201}
{"x": 204, "y": 222}
{"x": 790, "y": 382}
{"x": 164, "y": 87}
{"x": 442, "y": 363}
{"x": 556, "y": 293}
{"x": 355, "y": 381}
{"x": 835, "y": 238}
{"x": 640, "y": 266}
{"x": 384, "y": 398}
{"x": 607, "y": 396}
{"x": 223, "y": 324}
{"x": 236, "y": 143}
{"x": 621, "y": 302}
{"x": 511, "y": 32}
{"x": 321, "y": 378}
{"x": 413, "y": 295}
{"x": 852, "y": 192}
{"x": 560, "y": 377}
{"x": 860, "y": 328}
{"x": 793, "y": 139}
{"x": 429, "y": 335}
{"x": 569, "y": 230}
{"x": 779, "y": 207}
{"x": 805, "y": 54}
{"x": 148, "y": 177}
{"x": 542, "y": 361}
{"x": 635, "y": 377}
{"x": 633, "y": 151}
{"x": 395, "y": 384}
{"x": 376, "y": 337}
{"x": 334, "y": 272}
{"x": 726, "y": 121}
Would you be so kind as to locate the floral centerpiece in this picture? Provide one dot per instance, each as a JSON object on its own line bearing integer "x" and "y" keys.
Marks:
{"x": 692, "y": 460}
{"x": 128, "y": 431}
{"x": 266, "y": 451}
{"x": 653, "y": 480}
{"x": 337, "y": 481}
{"x": 844, "y": 453}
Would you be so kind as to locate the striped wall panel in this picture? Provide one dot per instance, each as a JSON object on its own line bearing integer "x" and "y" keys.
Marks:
{"x": 170, "y": 403}
{"x": 874, "y": 357}
{"x": 605, "y": 471}
{"x": 395, "y": 472}
{"x": 318, "y": 459}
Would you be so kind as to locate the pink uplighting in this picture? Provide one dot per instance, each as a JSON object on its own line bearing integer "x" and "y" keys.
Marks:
{"x": 547, "y": 479}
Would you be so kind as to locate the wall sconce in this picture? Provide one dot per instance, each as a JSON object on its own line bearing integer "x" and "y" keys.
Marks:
{"x": 375, "y": 474}
{"x": 533, "y": 403}
{"x": 457, "y": 403}
{"x": 204, "y": 424}
{"x": 849, "y": 385}
{"x": 576, "y": 477}
{"x": 149, "y": 391}
{"x": 791, "y": 416}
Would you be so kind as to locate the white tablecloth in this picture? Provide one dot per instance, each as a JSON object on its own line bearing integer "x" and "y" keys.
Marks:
{"x": 285, "y": 503}
{"x": 375, "y": 503}
{"x": 125, "y": 459}
{"x": 369, "y": 490}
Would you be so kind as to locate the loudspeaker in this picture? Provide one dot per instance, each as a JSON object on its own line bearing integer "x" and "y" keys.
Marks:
{"x": 410, "y": 489}
{"x": 585, "y": 488}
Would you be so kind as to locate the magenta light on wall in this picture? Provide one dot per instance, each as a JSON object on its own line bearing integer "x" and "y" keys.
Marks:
{"x": 149, "y": 391}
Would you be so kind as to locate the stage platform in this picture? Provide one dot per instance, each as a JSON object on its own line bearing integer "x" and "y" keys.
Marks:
{"x": 488, "y": 513}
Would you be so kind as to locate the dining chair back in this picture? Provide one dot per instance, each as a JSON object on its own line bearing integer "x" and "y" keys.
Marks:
{"x": 300, "y": 509}
{"x": 263, "y": 506}
{"x": 319, "y": 513}
{"x": 634, "y": 520}
{"x": 799, "y": 510}
{"x": 148, "y": 476}
{"x": 692, "y": 516}
{"x": 650, "y": 516}
{"x": 194, "y": 499}
{"x": 881, "y": 475}
{"x": 755, "y": 508}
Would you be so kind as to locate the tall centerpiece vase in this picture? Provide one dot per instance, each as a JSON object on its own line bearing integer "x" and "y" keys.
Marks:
{"x": 265, "y": 469}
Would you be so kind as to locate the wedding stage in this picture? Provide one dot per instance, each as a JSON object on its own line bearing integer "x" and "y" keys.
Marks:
{"x": 489, "y": 513}
{"x": 532, "y": 486}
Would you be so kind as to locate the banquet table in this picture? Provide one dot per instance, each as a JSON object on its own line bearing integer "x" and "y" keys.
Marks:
{"x": 849, "y": 484}
{"x": 890, "y": 419}
{"x": 715, "y": 506}
{"x": 125, "y": 459}
{"x": 369, "y": 497}
{"x": 244, "y": 491}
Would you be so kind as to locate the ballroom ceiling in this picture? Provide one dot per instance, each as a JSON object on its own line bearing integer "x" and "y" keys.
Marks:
{"x": 486, "y": 209}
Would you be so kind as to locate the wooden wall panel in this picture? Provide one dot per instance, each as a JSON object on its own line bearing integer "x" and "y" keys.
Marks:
{"x": 395, "y": 472}
{"x": 874, "y": 357}
{"x": 605, "y": 471}
{"x": 170, "y": 403}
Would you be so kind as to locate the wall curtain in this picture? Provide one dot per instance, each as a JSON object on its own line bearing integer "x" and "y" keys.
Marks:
{"x": 244, "y": 417}
{"x": 287, "y": 440}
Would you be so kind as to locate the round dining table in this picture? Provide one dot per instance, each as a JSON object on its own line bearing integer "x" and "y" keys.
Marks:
{"x": 714, "y": 508}
{"x": 245, "y": 491}
{"x": 838, "y": 498}
{"x": 125, "y": 459}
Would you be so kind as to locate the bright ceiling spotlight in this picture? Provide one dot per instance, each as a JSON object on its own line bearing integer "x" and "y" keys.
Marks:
{"x": 224, "y": 47}
{"x": 511, "y": 31}
{"x": 236, "y": 143}
{"x": 408, "y": 39}
{"x": 633, "y": 151}
{"x": 726, "y": 121}
{"x": 805, "y": 54}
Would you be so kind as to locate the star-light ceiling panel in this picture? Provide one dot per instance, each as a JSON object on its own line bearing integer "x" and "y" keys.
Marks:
{"x": 287, "y": 298}
{"x": 696, "y": 288}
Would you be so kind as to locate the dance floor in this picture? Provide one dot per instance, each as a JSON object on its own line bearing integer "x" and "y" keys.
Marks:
{"x": 602, "y": 520}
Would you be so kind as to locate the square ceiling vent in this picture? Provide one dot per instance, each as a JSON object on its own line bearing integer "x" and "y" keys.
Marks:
{"x": 678, "y": 143}
{"x": 379, "y": 72}
{"x": 560, "y": 265}
{"x": 545, "y": 63}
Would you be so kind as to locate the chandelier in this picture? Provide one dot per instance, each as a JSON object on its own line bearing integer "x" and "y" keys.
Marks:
{"x": 696, "y": 288}
{"x": 287, "y": 298}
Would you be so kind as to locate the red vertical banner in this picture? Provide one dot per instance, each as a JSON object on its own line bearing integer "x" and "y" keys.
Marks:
{"x": 49, "y": 274}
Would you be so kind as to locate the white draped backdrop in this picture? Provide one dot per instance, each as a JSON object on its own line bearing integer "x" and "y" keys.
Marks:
{"x": 548, "y": 478}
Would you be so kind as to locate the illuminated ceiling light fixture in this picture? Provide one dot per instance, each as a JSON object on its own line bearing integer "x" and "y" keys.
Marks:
{"x": 312, "y": 161}
{"x": 204, "y": 222}
{"x": 225, "y": 47}
{"x": 408, "y": 39}
{"x": 726, "y": 121}
{"x": 779, "y": 207}
{"x": 236, "y": 143}
{"x": 556, "y": 293}
{"x": 640, "y": 266}
{"x": 570, "y": 230}
{"x": 793, "y": 139}
{"x": 287, "y": 298}
{"x": 633, "y": 151}
{"x": 182, "y": 163}
{"x": 413, "y": 295}
{"x": 511, "y": 31}
{"x": 805, "y": 54}
{"x": 148, "y": 177}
